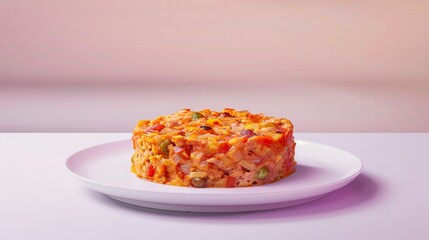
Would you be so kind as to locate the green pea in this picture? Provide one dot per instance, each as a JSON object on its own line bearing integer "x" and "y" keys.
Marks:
{"x": 164, "y": 147}
{"x": 262, "y": 173}
{"x": 198, "y": 182}
{"x": 196, "y": 116}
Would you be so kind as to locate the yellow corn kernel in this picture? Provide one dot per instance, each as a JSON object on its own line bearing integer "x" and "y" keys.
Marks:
{"x": 277, "y": 136}
{"x": 212, "y": 147}
{"x": 233, "y": 141}
{"x": 213, "y": 122}
{"x": 251, "y": 126}
{"x": 142, "y": 123}
{"x": 178, "y": 140}
{"x": 197, "y": 174}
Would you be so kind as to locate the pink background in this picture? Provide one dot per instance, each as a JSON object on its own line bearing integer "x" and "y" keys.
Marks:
{"x": 330, "y": 66}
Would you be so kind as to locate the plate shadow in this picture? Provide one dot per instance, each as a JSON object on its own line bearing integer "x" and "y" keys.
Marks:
{"x": 354, "y": 196}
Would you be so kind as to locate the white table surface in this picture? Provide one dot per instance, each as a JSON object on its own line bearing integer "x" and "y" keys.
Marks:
{"x": 40, "y": 200}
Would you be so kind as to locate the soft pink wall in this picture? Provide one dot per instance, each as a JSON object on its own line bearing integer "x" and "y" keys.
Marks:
{"x": 240, "y": 40}
{"x": 330, "y": 66}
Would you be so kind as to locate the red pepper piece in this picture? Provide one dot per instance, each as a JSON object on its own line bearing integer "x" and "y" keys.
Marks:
{"x": 156, "y": 127}
{"x": 230, "y": 182}
{"x": 223, "y": 147}
{"x": 265, "y": 140}
{"x": 150, "y": 171}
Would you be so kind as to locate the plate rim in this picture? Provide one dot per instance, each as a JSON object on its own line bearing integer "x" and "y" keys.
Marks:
{"x": 211, "y": 191}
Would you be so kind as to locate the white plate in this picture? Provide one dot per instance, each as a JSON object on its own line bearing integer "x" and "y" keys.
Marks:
{"x": 321, "y": 169}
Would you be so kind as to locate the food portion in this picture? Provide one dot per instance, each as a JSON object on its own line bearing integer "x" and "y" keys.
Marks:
{"x": 206, "y": 148}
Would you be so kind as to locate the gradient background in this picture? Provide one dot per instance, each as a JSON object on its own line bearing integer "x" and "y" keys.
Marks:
{"x": 99, "y": 66}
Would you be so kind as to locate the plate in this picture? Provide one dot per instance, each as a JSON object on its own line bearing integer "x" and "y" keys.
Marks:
{"x": 321, "y": 169}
